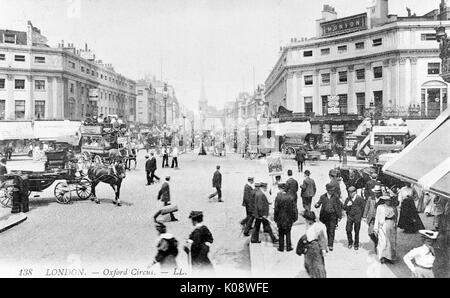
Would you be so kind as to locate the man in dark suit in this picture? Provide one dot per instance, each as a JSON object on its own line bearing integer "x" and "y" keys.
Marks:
{"x": 300, "y": 158}
{"x": 354, "y": 206}
{"x": 308, "y": 190}
{"x": 217, "y": 184}
{"x": 292, "y": 186}
{"x": 164, "y": 196}
{"x": 249, "y": 204}
{"x": 334, "y": 182}
{"x": 150, "y": 168}
{"x": 165, "y": 161}
{"x": 261, "y": 213}
{"x": 285, "y": 214}
{"x": 330, "y": 213}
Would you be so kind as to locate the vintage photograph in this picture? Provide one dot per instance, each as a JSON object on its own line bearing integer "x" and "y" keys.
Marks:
{"x": 224, "y": 139}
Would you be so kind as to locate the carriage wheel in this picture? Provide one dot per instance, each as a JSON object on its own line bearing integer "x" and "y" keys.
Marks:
{"x": 98, "y": 160}
{"x": 84, "y": 189}
{"x": 6, "y": 192}
{"x": 63, "y": 193}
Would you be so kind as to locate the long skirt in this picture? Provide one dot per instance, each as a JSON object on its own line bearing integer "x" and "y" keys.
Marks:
{"x": 314, "y": 261}
{"x": 409, "y": 218}
{"x": 387, "y": 241}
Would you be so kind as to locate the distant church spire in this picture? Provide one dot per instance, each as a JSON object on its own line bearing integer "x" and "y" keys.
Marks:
{"x": 203, "y": 94}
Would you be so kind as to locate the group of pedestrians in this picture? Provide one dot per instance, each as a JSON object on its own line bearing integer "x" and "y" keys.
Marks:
{"x": 197, "y": 247}
{"x": 151, "y": 163}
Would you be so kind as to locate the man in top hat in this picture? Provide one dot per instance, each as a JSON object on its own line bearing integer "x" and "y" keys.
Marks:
{"x": 249, "y": 203}
{"x": 285, "y": 215}
{"x": 3, "y": 169}
{"x": 370, "y": 211}
{"x": 330, "y": 213}
{"x": 292, "y": 186}
{"x": 199, "y": 243}
{"x": 261, "y": 214}
{"x": 354, "y": 206}
{"x": 164, "y": 196}
{"x": 420, "y": 260}
{"x": 167, "y": 249}
{"x": 217, "y": 184}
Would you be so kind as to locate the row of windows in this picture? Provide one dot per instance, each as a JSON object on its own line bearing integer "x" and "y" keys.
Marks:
{"x": 19, "y": 109}
{"x": 101, "y": 76}
{"x": 433, "y": 69}
{"x": 343, "y": 48}
{"x": 21, "y": 58}
{"x": 39, "y": 85}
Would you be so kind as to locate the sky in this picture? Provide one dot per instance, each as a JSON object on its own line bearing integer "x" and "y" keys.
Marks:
{"x": 232, "y": 44}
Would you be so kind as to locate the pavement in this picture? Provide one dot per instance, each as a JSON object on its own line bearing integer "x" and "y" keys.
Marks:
{"x": 103, "y": 239}
{"x": 8, "y": 220}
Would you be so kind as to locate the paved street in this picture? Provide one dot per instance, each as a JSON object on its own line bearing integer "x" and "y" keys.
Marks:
{"x": 96, "y": 237}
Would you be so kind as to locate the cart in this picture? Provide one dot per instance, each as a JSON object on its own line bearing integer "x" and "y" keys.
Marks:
{"x": 39, "y": 181}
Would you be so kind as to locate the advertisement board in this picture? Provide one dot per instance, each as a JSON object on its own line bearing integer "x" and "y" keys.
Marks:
{"x": 275, "y": 164}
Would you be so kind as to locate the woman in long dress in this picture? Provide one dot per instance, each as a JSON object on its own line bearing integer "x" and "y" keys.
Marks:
{"x": 315, "y": 241}
{"x": 409, "y": 219}
{"x": 386, "y": 229}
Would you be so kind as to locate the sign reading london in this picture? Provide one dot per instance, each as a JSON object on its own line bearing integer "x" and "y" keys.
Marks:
{"x": 344, "y": 25}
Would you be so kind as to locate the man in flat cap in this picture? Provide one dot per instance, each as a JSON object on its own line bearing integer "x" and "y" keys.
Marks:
{"x": 420, "y": 260}
{"x": 249, "y": 203}
{"x": 330, "y": 213}
{"x": 292, "y": 186}
{"x": 354, "y": 206}
{"x": 164, "y": 196}
{"x": 261, "y": 214}
{"x": 217, "y": 184}
{"x": 198, "y": 244}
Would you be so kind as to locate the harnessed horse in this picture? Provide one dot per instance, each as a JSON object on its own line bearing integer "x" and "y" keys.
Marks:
{"x": 112, "y": 175}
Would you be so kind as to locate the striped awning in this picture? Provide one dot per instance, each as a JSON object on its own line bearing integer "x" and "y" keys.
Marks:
{"x": 426, "y": 161}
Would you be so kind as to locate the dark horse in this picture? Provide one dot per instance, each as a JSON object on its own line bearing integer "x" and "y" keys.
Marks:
{"x": 112, "y": 175}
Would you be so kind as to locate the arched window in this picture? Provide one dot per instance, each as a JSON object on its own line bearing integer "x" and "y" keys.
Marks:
{"x": 434, "y": 98}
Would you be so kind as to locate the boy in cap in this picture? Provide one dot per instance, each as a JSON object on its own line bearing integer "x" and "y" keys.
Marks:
{"x": 420, "y": 260}
{"x": 167, "y": 249}
{"x": 354, "y": 207}
{"x": 199, "y": 243}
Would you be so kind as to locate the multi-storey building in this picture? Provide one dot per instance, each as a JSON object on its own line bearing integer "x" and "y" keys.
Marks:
{"x": 145, "y": 103}
{"x": 372, "y": 62}
{"x": 41, "y": 82}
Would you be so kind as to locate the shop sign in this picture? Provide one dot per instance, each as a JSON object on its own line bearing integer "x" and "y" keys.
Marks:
{"x": 345, "y": 25}
{"x": 93, "y": 94}
{"x": 338, "y": 128}
{"x": 333, "y": 104}
{"x": 91, "y": 130}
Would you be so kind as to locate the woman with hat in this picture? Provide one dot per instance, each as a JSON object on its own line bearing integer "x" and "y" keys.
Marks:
{"x": 409, "y": 219}
{"x": 385, "y": 227}
{"x": 167, "y": 249}
{"x": 314, "y": 245}
{"x": 420, "y": 260}
{"x": 198, "y": 243}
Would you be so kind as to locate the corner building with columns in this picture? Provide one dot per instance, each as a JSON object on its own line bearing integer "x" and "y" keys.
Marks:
{"x": 38, "y": 82}
{"x": 370, "y": 61}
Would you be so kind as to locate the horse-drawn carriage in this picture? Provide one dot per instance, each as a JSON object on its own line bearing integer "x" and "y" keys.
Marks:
{"x": 39, "y": 181}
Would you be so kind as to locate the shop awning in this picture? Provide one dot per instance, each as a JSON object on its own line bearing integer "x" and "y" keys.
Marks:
{"x": 300, "y": 129}
{"x": 59, "y": 131}
{"x": 20, "y": 130}
{"x": 426, "y": 161}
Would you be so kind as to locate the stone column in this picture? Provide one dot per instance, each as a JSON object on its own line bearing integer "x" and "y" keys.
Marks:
{"x": 333, "y": 81}
{"x": 368, "y": 85}
{"x": 395, "y": 81}
{"x": 403, "y": 85}
{"x": 50, "y": 99}
{"x": 299, "y": 102}
{"x": 290, "y": 92}
{"x": 351, "y": 101}
{"x": 29, "y": 102}
{"x": 9, "y": 105}
{"x": 415, "y": 89}
{"x": 387, "y": 81}
{"x": 316, "y": 100}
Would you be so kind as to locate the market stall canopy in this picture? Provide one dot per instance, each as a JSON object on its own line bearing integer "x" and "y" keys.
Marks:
{"x": 59, "y": 131}
{"x": 426, "y": 161}
{"x": 300, "y": 129}
{"x": 16, "y": 130}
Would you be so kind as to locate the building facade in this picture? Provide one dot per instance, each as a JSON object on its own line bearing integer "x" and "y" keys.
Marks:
{"x": 372, "y": 61}
{"x": 41, "y": 82}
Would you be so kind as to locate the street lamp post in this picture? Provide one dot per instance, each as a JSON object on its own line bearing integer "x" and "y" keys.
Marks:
{"x": 165, "y": 96}
{"x": 184, "y": 133}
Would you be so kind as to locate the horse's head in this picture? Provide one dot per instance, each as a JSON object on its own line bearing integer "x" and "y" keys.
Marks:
{"x": 120, "y": 170}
